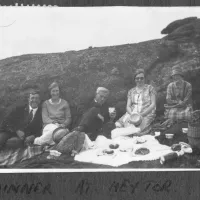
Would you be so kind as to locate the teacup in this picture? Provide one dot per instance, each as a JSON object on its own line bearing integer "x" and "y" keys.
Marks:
{"x": 111, "y": 110}
{"x": 185, "y": 130}
{"x": 157, "y": 133}
{"x": 169, "y": 135}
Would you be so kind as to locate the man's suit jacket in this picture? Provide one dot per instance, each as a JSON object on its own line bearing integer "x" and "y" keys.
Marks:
{"x": 16, "y": 119}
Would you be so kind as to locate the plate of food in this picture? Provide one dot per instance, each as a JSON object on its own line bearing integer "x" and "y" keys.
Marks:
{"x": 114, "y": 146}
{"x": 141, "y": 151}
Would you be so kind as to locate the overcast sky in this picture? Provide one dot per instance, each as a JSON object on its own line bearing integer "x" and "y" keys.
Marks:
{"x": 54, "y": 29}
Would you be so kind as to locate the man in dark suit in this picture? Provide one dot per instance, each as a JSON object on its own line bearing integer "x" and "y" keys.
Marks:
{"x": 97, "y": 115}
{"x": 23, "y": 122}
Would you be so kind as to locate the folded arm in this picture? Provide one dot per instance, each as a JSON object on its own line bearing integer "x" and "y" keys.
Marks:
{"x": 188, "y": 94}
{"x": 169, "y": 96}
{"x": 153, "y": 103}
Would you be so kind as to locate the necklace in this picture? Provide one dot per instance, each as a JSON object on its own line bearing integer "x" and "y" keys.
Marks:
{"x": 50, "y": 100}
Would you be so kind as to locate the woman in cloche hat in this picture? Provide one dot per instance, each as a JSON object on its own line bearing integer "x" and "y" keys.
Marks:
{"x": 141, "y": 107}
{"x": 179, "y": 101}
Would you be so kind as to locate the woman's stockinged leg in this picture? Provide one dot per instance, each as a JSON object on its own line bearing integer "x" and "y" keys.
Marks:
{"x": 124, "y": 131}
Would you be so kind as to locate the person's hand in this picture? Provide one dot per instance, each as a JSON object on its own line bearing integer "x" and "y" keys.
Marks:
{"x": 129, "y": 112}
{"x": 29, "y": 140}
{"x": 143, "y": 114}
{"x": 101, "y": 117}
{"x": 180, "y": 103}
{"x": 118, "y": 125}
{"x": 74, "y": 153}
{"x": 20, "y": 134}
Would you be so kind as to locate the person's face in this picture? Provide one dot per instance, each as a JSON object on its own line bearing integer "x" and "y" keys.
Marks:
{"x": 177, "y": 77}
{"x": 34, "y": 100}
{"x": 139, "y": 79}
{"x": 55, "y": 93}
{"x": 101, "y": 97}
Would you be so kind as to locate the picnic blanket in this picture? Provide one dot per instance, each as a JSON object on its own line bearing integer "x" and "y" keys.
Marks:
{"x": 125, "y": 152}
{"x": 11, "y": 156}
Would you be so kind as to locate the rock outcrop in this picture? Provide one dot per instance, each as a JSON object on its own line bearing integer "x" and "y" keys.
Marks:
{"x": 81, "y": 72}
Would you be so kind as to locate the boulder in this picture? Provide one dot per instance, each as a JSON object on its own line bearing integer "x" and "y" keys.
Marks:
{"x": 176, "y": 24}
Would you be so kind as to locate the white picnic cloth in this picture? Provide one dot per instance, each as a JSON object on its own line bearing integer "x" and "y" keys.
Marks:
{"x": 94, "y": 152}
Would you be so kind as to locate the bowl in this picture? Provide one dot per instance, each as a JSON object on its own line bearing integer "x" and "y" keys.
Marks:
{"x": 169, "y": 135}
{"x": 157, "y": 133}
{"x": 136, "y": 119}
{"x": 185, "y": 130}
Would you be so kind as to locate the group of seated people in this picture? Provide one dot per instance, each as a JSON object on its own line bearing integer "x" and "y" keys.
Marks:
{"x": 47, "y": 124}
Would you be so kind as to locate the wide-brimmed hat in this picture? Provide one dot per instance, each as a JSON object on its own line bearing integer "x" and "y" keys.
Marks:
{"x": 59, "y": 133}
{"x": 136, "y": 119}
{"x": 176, "y": 70}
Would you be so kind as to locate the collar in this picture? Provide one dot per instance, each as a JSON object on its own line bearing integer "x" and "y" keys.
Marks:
{"x": 34, "y": 109}
{"x": 145, "y": 86}
{"x": 179, "y": 82}
{"x": 51, "y": 102}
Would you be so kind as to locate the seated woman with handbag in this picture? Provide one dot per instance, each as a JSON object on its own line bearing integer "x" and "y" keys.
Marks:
{"x": 179, "y": 101}
{"x": 56, "y": 117}
{"x": 141, "y": 107}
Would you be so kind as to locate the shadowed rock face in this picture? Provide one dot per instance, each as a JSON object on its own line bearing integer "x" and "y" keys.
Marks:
{"x": 176, "y": 24}
{"x": 185, "y": 30}
{"x": 81, "y": 72}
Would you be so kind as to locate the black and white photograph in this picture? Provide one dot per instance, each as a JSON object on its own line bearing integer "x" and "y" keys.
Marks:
{"x": 93, "y": 88}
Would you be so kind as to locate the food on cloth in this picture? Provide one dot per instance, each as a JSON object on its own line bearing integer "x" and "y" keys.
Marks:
{"x": 125, "y": 149}
{"x": 102, "y": 152}
{"x": 140, "y": 140}
{"x": 176, "y": 147}
{"x": 142, "y": 151}
{"x": 106, "y": 151}
{"x": 114, "y": 146}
